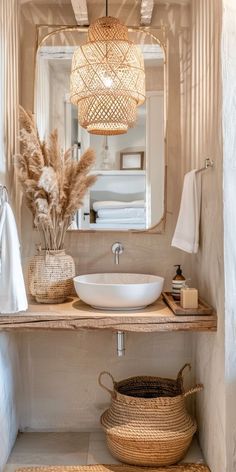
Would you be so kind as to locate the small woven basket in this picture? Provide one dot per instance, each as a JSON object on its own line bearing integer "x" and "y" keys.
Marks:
{"x": 147, "y": 423}
{"x": 50, "y": 275}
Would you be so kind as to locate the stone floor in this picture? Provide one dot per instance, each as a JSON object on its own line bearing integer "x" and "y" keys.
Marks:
{"x": 69, "y": 449}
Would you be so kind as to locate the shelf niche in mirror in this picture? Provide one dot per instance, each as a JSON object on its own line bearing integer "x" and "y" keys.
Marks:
{"x": 129, "y": 194}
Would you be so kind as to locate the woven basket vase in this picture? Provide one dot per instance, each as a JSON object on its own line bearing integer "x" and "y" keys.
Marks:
{"x": 50, "y": 275}
{"x": 147, "y": 423}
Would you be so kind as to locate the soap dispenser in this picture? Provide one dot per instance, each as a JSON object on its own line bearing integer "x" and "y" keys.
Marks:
{"x": 178, "y": 282}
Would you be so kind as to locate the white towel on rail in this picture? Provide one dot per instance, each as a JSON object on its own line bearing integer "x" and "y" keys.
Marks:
{"x": 186, "y": 236}
{"x": 12, "y": 288}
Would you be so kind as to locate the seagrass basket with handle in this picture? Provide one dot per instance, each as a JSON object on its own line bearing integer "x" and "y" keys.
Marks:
{"x": 147, "y": 423}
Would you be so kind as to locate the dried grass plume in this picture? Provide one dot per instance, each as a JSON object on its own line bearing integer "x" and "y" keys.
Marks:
{"x": 54, "y": 184}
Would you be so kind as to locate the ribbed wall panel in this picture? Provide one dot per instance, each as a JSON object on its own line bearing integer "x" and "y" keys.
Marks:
{"x": 204, "y": 83}
{"x": 207, "y": 268}
{"x": 199, "y": 119}
{"x": 9, "y": 100}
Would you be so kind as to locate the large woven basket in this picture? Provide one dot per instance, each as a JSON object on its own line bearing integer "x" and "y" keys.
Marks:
{"x": 147, "y": 423}
{"x": 50, "y": 275}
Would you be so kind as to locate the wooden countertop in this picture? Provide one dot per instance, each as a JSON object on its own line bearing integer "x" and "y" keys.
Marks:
{"x": 74, "y": 314}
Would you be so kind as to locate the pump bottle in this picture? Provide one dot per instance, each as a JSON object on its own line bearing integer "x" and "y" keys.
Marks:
{"x": 178, "y": 282}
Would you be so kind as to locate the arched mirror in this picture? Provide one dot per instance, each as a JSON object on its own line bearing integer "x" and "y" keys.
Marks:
{"x": 129, "y": 193}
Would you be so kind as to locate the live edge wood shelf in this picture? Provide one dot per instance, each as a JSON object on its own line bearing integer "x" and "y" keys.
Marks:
{"x": 74, "y": 315}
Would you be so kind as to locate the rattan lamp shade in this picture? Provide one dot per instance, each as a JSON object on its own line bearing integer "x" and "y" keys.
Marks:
{"x": 107, "y": 79}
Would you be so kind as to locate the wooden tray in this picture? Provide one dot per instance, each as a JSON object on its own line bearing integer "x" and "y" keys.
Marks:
{"x": 203, "y": 307}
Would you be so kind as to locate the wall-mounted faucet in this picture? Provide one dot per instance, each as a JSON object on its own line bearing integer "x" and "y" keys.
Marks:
{"x": 117, "y": 250}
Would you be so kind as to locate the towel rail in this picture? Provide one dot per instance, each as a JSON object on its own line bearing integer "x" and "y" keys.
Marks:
{"x": 3, "y": 193}
{"x": 208, "y": 163}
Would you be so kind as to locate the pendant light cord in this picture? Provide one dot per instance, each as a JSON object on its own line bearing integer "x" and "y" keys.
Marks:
{"x": 106, "y": 7}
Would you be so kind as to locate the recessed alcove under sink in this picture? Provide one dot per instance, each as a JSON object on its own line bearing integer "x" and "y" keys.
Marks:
{"x": 118, "y": 291}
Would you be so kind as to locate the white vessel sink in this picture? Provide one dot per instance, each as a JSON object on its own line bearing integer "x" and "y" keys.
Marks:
{"x": 118, "y": 291}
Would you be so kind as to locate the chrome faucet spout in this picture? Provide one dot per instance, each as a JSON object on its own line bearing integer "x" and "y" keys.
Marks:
{"x": 117, "y": 259}
{"x": 117, "y": 249}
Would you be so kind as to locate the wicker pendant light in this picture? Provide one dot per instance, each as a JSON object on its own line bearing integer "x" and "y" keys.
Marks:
{"x": 107, "y": 79}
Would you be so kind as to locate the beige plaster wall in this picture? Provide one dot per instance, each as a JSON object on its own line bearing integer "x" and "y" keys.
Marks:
{"x": 59, "y": 371}
{"x": 229, "y": 136}
{"x": 9, "y": 413}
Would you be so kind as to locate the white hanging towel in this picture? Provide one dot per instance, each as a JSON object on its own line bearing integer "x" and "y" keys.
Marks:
{"x": 186, "y": 236}
{"x": 12, "y": 287}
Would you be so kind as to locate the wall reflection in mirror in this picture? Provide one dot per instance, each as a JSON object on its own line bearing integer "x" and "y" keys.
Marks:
{"x": 129, "y": 191}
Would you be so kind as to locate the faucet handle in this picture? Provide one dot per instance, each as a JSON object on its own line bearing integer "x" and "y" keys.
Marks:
{"x": 117, "y": 247}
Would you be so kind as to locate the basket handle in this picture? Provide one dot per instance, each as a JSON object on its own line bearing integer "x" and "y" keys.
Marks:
{"x": 180, "y": 374}
{"x": 104, "y": 386}
{"x": 195, "y": 389}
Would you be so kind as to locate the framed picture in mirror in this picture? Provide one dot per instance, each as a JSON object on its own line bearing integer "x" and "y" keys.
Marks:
{"x": 132, "y": 160}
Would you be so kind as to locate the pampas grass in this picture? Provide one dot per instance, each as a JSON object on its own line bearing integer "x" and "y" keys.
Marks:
{"x": 53, "y": 183}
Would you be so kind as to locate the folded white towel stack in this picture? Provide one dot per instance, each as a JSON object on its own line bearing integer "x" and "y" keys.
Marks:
{"x": 112, "y": 204}
{"x": 186, "y": 236}
{"x": 12, "y": 288}
{"x": 119, "y": 225}
{"x": 121, "y": 213}
{"x": 120, "y": 220}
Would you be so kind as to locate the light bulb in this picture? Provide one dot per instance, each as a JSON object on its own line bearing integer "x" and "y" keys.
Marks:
{"x": 107, "y": 80}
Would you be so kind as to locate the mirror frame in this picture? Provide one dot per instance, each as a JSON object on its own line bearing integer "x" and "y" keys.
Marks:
{"x": 41, "y": 38}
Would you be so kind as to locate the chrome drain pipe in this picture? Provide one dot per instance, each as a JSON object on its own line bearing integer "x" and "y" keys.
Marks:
{"x": 120, "y": 340}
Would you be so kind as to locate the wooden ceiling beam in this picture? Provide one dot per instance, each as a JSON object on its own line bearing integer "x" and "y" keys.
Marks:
{"x": 146, "y": 12}
{"x": 80, "y": 11}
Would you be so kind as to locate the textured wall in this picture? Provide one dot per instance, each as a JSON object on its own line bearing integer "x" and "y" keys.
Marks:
{"x": 229, "y": 133}
{"x": 82, "y": 356}
{"x": 207, "y": 267}
{"x": 9, "y": 421}
{"x": 59, "y": 373}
